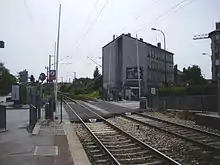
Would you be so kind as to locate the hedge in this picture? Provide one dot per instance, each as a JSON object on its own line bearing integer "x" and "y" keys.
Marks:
{"x": 209, "y": 89}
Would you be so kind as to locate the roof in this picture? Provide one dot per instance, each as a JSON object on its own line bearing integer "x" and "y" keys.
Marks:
{"x": 214, "y": 31}
{"x": 179, "y": 72}
{"x": 126, "y": 35}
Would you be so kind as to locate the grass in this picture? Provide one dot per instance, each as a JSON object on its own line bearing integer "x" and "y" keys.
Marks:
{"x": 92, "y": 95}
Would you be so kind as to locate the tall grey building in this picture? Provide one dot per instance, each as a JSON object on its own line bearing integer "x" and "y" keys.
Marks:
{"x": 215, "y": 46}
{"x": 120, "y": 73}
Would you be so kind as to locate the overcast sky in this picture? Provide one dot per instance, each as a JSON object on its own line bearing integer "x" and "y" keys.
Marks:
{"x": 29, "y": 29}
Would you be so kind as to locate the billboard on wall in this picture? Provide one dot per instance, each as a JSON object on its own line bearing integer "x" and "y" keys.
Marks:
{"x": 132, "y": 73}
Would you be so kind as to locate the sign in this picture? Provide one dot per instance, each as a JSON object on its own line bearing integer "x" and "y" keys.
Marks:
{"x": 23, "y": 76}
{"x": 52, "y": 75}
{"x": 42, "y": 76}
{"x": 153, "y": 91}
{"x": 15, "y": 92}
{"x": 132, "y": 73}
{"x": 217, "y": 62}
{"x": 2, "y": 44}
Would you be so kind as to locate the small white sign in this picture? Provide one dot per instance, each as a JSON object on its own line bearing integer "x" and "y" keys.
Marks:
{"x": 217, "y": 62}
{"x": 15, "y": 92}
{"x": 153, "y": 91}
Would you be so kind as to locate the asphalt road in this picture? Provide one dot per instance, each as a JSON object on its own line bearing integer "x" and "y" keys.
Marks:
{"x": 104, "y": 109}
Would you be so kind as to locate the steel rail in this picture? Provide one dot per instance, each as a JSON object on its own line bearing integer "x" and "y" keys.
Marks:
{"x": 173, "y": 133}
{"x": 180, "y": 125}
{"x": 94, "y": 136}
{"x": 167, "y": 159}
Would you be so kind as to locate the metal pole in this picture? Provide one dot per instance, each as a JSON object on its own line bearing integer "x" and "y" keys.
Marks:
{"x": 61, "y": 109}
{"x": 165, "y": 55}
{"x": 218, "y": 99}
{"x": 165, "y": 58}
{"x": 138, "y": 67}
{"x": 109, "y": 75}
{"x": 49, "y": 66}
{"x": 47, "y": 73}
{"x": 57, "y": 55}
{"x": 54, "y": 62}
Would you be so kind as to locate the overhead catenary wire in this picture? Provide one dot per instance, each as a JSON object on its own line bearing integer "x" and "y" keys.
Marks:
{"x": 94, "y": 21}
{"x": 171, "y": 9}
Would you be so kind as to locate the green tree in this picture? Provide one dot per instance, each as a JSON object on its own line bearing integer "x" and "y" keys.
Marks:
{"x": 6, "y": 80}
{"x": 193, "y": 75}
{"x": 32, "y": 79}
{"x": 97, "y": 79}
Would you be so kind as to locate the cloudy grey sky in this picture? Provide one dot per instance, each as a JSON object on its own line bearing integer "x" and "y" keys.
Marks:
{"x": 29, "y": 29}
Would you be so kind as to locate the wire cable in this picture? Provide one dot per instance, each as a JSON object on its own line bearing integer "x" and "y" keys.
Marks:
{"x": 176, "y": 6}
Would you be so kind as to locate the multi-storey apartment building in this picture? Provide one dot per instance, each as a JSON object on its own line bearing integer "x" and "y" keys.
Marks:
{"x": 120, "y": 66}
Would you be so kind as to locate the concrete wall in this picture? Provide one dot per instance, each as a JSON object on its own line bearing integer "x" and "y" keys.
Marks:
{"x": 2, "y": 99}
{"x": 206, "y": 102}
{"x": 121, "y": 53}
{"x": 129, "y": 58}
{"x": 109, "y": 58}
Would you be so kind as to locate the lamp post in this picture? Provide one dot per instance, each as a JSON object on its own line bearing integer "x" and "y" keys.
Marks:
{"x": 165, "y": 56}
{"x": 206, "y": 54}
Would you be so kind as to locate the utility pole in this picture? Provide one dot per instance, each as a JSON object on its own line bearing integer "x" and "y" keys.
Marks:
{"x": 46, "y": 67}
{"x": 109, "y": 75}
{"x": 165, "y": 55}
{"x": 218, "y": 99}
{"x": 49, "y": 65}
{"x": 57, "y": 54}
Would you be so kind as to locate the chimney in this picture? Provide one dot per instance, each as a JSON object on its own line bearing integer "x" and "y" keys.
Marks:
{"x": 217, "y": 24}
{"x": 113, "y": 36}
{"x": 129, "y": 34}
{"x": 159, "y": 45}
{"x": 141, "y": 39}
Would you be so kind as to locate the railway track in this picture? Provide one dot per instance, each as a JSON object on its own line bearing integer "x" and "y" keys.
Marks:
{"x": 111, "y": 145}
{"x": 206, "y": 139}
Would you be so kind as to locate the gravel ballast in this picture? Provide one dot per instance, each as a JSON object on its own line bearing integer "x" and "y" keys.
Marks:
{"x": 181, "y": 121}
{"x": 176, "y": 148}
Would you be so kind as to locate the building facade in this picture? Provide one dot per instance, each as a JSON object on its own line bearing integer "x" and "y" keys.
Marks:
{"x": 120, "y": 67}
{"x": 215, "y": 47}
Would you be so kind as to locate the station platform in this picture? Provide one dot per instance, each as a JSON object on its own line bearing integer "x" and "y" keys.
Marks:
{"x": 50, "y": 143}
{"x": 211, "y": 120}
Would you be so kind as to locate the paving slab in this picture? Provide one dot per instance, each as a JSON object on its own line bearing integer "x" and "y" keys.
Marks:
{"x": 49, "y": 146}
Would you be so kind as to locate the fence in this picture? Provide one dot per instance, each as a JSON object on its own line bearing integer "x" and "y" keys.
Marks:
{"x": 198, "y": 102}
{"x": 2, "y": 118}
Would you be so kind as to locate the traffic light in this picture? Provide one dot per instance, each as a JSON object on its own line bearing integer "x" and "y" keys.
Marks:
{"x": 2, "y": 44}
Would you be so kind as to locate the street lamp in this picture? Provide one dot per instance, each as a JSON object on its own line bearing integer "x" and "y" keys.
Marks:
{"x": 206, "y": 54}
{"x": 165, "y": 56}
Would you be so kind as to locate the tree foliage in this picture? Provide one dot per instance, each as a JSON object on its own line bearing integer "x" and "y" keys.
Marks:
{"x": 32, "y": 79}
{"x": 193, "y": 75}
{"x": 6, "y": 80}
{"x": 97, "y": 79}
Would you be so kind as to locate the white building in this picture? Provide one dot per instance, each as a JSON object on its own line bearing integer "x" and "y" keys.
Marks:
{"x": 120, "y": 66}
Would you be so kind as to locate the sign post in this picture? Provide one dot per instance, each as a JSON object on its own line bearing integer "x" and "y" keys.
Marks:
{"x": 52, "y": 75}
{"x": 218, "y": 99}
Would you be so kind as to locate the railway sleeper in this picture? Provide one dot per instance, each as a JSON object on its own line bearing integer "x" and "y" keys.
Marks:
{"x": 117, "y": 142}
{"x": 135, "y": 160}
{"x": 127, "y": 150}
{"x": 121, "y": 145}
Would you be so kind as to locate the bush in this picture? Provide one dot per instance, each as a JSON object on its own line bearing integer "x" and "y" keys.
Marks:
{"x": 171, "y": 91}
{"x": 209, "y": 89}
